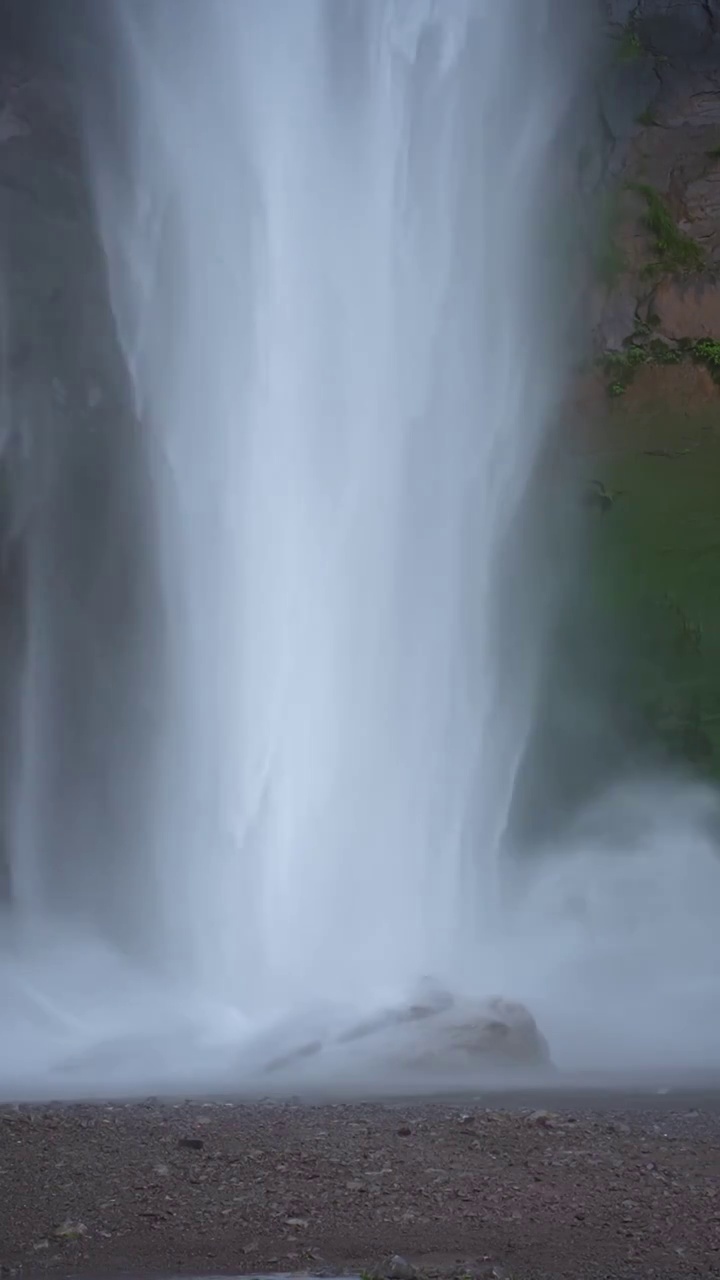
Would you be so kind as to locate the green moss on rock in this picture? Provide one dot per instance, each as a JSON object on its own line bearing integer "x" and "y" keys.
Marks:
{"x": 657, "y": 558}
{"x": 620, "y": 367}
{"x": 674, "y": 250}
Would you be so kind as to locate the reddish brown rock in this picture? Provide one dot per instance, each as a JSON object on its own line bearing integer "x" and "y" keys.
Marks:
{"x": 702, "y": 207}
{"x": 689, "y": 107}
{"x": 688, "y": 309}
{"x": 671, "y": 389}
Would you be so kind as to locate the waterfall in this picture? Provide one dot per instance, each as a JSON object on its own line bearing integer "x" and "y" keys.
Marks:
{"x": 324, "y": 250}
{"x": 333, "y": 232}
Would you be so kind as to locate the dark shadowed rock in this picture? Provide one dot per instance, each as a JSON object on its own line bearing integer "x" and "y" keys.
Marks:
{"x": 626, "y": 90}
{"x": 620, "y": 11}
{"x": 613, "y": 314}
{"x": 675, "y": 29}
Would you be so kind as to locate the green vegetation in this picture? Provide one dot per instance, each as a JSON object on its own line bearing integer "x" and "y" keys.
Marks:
{"x": 621, "y": 366}
{"x": 675, "y": 251}
{"x": 657, "y": 548}
{"x": 629, "y": 45}
{"x": 647, "y": 118}
{"x": 659, "y": 352}
{"x": 657, "y": 560}
{"x": 707, "y": 352}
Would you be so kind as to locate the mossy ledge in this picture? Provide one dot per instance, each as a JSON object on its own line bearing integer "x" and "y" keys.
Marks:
{"x": 675, "y": 252}
{"x": 620, "y": 367}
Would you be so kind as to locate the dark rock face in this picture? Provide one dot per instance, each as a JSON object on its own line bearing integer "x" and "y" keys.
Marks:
{"x": 653, "y": 50}
{"x": 649, "y": 402}
{"x": 676, "y": 29}
{"x": 626, "y": 89}
{"x": 658, "y": 98}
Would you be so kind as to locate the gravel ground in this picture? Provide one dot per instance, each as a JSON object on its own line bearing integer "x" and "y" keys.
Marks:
{"x": 218, "y": 1188}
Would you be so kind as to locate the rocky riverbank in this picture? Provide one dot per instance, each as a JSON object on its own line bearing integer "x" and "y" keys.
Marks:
{"x": 628, "y": 1189}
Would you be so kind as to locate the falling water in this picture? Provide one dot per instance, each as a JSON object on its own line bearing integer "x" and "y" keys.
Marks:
{"x": 323, "y": 261}
{"x": 329, "y": 229}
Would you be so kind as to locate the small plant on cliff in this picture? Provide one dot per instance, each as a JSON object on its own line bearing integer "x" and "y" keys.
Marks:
{"x": 620, "y": 367}
{"x": 629, "y": 45}
{"x": 660, "y": 352}
{"x": 647, "y": 118}
{"x": 628, "y": 358}
{"x": 707, "y": 352}
{"x": 676, "y": 251}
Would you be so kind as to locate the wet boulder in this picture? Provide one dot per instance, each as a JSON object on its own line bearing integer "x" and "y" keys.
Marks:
{"x": 490, "y": 1035}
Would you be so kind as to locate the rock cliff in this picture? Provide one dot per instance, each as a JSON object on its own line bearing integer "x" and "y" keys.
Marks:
{"x": 648, "y": 407}
{"x": 657, "y": 168}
